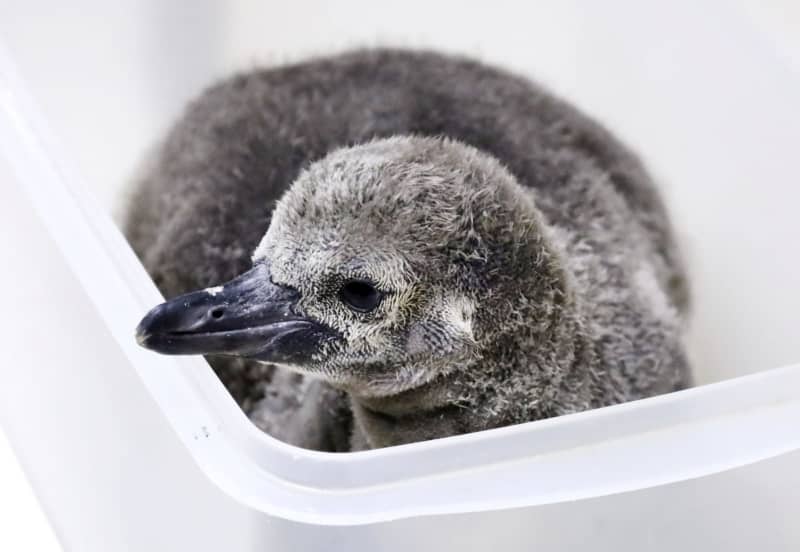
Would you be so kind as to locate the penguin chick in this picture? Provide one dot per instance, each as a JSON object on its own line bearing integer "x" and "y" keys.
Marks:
{"x": 516, "y": 267}
{"x": 419, "y": 277}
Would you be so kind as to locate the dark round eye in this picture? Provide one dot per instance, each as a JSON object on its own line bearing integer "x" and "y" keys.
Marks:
{"x": 359, "y": 295}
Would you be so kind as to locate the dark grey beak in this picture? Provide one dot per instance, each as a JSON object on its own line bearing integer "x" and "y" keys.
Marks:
{"x": 248, "y": 316}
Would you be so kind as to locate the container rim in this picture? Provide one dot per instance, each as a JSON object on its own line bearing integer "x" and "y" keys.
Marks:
{"x": 636, "y": 445}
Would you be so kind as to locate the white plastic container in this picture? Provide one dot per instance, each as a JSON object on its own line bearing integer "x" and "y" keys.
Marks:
{"x": 128, "y": 450}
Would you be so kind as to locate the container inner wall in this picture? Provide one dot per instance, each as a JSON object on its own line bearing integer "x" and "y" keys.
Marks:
{"x": 713, "y": 112}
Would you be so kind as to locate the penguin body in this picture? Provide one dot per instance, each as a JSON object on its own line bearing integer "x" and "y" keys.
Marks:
{"x": 500, "y": 257}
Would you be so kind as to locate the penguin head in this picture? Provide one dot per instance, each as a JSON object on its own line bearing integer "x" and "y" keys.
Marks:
{"x": 385, "y": 266}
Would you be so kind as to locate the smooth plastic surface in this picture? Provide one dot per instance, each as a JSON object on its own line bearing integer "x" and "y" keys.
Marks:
{"x": 129, "y": 450}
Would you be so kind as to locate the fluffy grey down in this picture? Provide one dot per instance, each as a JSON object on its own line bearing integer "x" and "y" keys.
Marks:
{"x": 530, "y": 263}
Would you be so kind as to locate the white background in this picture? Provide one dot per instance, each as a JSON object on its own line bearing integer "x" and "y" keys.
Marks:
{"x": 704, "y": 90}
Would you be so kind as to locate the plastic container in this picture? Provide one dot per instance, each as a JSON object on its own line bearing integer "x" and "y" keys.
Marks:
{"x": 128, "y": 450}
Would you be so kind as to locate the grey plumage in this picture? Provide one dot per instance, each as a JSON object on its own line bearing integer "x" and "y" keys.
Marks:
{"x": 527, "y": 261}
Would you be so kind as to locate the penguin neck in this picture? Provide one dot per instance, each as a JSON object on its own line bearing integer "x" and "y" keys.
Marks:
{"x": 532, "y": 370}
{"x": 417, "y": 414}
{"x": 539, "y": 371}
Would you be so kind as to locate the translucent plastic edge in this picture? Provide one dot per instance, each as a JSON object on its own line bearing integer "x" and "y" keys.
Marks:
{"x": 465, "y": 473}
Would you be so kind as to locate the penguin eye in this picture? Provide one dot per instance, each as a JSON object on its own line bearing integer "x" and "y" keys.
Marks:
{"x": 360, "y": 296}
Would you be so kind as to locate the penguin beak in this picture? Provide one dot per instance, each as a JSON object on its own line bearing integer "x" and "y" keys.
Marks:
{"x": 249, "y": 317}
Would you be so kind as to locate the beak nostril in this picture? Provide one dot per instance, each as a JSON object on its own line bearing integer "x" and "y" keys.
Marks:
{"x": 217, "y": 313}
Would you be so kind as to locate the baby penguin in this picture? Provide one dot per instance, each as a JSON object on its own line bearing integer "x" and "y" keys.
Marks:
{"x": 459, "y": 254}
